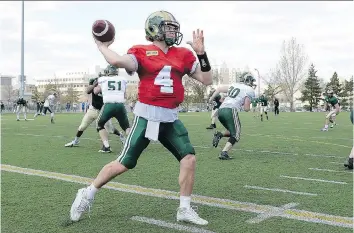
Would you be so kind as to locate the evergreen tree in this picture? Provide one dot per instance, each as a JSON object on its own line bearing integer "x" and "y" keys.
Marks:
{"x": 311, "y": 91}
{"x": 335, "y": 85}
{"x": 347, "y": 94}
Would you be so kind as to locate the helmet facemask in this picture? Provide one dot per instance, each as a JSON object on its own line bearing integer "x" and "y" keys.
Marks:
{"x": 248, "y": 80}
{"x": 170, "y": 32}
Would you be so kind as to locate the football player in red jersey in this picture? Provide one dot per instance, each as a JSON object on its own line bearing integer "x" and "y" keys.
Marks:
{"x": 160, "y": 67}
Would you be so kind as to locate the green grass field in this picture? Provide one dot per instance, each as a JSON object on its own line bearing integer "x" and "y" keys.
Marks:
{"x": 275, "y": 154}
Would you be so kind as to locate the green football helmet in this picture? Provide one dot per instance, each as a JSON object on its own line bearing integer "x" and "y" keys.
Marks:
{"x": 111, "y": 70}
{"x": 248, "y": 79}
{"x": 163, "y": 26}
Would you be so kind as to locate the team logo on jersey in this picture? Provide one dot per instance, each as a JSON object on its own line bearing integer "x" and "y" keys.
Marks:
{"x": 152, "y": 53}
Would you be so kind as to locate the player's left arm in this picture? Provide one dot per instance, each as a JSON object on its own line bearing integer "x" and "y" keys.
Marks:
{"x": 219, "y": 89}
{"x": 202, "y": 71}
{"x": 203, "y": 77}
{"x": 97, "y": 89}
{"x": 92, "y": 85}
{"x": 250, "y": 95}
{"x": 247, "y": 104}
{"x": 192, "y": 68}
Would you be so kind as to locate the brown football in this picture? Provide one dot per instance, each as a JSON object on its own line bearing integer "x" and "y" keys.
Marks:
{"x": 103, "y": 30}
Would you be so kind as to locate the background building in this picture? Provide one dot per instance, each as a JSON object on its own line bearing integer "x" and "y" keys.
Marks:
{"x": 6, "y": 88}
{"x": 79, "y": 80}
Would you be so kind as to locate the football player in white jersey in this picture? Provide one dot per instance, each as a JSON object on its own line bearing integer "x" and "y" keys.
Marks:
{"x": 239, "y": 96}
{"x": 49, "y": 106}
{"x": 92, "y": 114}
{"x": 113, "y": 88}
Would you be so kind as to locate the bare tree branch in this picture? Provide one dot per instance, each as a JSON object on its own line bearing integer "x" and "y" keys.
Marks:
{"x": 8, "y": 90}
{"x": 290, "y": 70}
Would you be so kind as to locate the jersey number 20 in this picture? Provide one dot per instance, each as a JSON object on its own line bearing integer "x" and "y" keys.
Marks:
{"x": 113, "y": 84}
{"x": 233, "y": 92}
{"x": 164, "y": 80}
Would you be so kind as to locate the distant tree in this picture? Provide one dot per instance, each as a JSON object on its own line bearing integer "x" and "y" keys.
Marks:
{"x": 71, "y": 95}
{"x": 9, "y": 92}
{"x": 311, "y": 91}
{"x": 335, "y": 85}
{"x": 347, "y": 94}
{"x": 272, "y": 90}
{"x": 36, "y": 95}
{"x": 49, "y": 89}
{"x": 216, "y": 76}
{"x": 289, "y": 71}
{"x": 188, "y": 92}
{"x": 197, "y": 89}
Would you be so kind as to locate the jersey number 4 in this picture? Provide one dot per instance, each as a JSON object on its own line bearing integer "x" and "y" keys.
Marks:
{"x": 113, "y": 84}
{"x": 233, "y": 92}
{"x": 164, "y": 80}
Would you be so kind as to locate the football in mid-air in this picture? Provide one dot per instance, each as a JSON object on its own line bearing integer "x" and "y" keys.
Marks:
{"x": 103, "y": 30}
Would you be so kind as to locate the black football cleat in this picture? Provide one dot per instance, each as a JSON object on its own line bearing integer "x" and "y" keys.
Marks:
{"x": 216, "y": 139}
{"x": 224, "y": 156}
{"x": 105, "y": 149}
{"x": 349, "y": 165}
{"x": 212, "y": 126}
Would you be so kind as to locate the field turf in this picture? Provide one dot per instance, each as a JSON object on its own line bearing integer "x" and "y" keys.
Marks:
{"x": 286, "y": 176}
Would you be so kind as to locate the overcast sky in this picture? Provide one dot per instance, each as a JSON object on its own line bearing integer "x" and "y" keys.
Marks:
{"x": 58, "y": 34}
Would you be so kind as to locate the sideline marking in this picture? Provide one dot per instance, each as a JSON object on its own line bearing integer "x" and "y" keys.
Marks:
{"x": 296, "y": 214}
{"x": 279, "y": 190}
{"x": 311, "y": 179}
{"x": 170, "y": 225}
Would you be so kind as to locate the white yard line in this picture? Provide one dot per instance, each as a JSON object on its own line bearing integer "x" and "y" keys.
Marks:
{"x": 267, "y": 210}
{"x": 270, "y": 214}
{"x": 328, "y": 170}
{"x": 311, "y": 179}
{"x": 203, "y": 147}
{"x": 280, "y": 190}
{"x": 337, "y": 163}
{"x": 174, "y": 226}
{"x": 296, "y": 139}
{"x": 325, "y": 156}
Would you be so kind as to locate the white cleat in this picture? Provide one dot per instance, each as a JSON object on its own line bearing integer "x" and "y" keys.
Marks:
{"x": 71, "y": 144}
{"x": 189, "y": 215}
{"x": 80, "y": 205}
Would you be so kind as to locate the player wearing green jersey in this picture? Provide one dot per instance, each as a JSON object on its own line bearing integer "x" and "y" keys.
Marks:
{"x": 263, "y": 100}
{"x": 331, "y": 101}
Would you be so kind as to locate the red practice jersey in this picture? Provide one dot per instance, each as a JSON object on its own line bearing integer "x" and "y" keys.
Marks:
{"x": 161, "y": 74}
